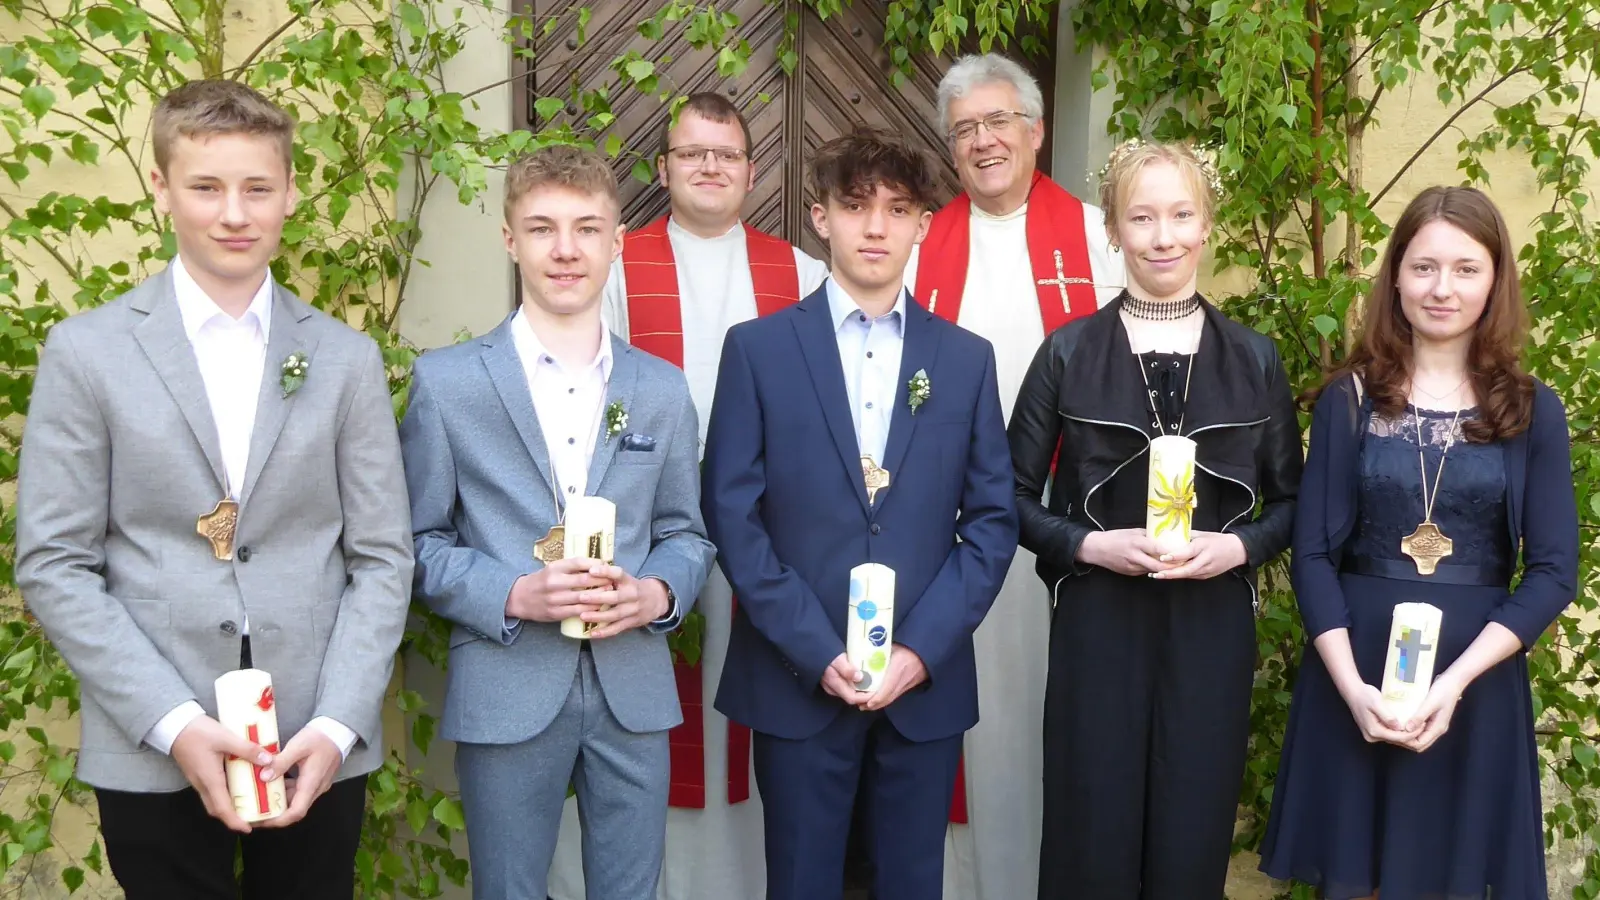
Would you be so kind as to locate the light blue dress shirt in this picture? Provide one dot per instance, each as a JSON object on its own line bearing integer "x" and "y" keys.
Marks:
{"x": 870, "y": 350}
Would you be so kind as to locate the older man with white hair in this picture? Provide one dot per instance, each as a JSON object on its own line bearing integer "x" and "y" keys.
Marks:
{"x": 1012, "y": 258}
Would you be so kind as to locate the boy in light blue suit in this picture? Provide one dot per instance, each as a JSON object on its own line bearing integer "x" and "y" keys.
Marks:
{"x": 502, "y": 432}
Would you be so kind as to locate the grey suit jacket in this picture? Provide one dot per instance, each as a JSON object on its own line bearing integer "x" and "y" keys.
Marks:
{"x": 119, "y": 458}
{"x": 479, "y": 477}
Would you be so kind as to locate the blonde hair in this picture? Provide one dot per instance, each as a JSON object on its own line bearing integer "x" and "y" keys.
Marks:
{"x": 1133, "y": 156}
{"x": 218, "y": 106}
{"x": 564, "y": 166}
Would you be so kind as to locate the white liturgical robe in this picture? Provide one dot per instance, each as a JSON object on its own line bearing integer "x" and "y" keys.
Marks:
{"x": 996, "y": 856}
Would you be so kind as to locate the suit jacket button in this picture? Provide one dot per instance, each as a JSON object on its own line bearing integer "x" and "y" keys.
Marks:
{"x": 229, "y": 627}
{"x": 243, "y": 554}
{"x": 876, "y": 528}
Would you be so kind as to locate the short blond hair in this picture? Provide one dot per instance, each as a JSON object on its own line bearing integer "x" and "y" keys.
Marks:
{"x": 563, "y": 166}
{"x": 1132, "y": 157}
{"x": 218, "y": 106}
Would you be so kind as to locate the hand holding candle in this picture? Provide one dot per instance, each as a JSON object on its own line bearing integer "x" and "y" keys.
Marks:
{"x": 246, "y": 707}
{"x": 1413, "y": 648}
{"x": 591, "y": 533}
{"x": 869, "y": 634}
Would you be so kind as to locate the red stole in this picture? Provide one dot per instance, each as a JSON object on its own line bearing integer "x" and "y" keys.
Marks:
{"x": 655, "y": 312}
{"x": 1057, "y": 248}
{"x": 655, "y": 325}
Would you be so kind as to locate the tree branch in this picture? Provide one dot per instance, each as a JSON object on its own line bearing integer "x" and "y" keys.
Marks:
{"x": 76, "y": 272}
{"x": 1372, "y": 107}
{"x": 1448, "y": 123}
{"x": 1418, "y": 19}
{"x": 261, "y": 47}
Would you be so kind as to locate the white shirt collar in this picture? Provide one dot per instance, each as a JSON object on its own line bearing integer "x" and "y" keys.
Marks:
{"x": 677, "y": 230}
{"x": 841, "y": 306}
{"x": 532, "y": 350}
{"x": 197, "y": 308}
{"x": 1012, "y": 216}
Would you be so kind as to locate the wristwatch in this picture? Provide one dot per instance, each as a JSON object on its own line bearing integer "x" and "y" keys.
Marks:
{"x": 672, "y": 602}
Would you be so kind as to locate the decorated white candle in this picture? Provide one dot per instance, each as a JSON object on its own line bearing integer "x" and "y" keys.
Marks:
{"x": 591, "y": 533}
{"x": 869, "y": 635}
{"x": 1169, "y": 512}
{"x": 245, "y": 706}
{"x": 1413, "y": 648}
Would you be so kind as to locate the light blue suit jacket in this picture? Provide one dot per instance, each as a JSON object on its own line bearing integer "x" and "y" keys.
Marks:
{"x": 479, "y": 477}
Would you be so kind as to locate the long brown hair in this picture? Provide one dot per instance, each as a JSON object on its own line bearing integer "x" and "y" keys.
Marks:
{"x": 1382, "y": 356}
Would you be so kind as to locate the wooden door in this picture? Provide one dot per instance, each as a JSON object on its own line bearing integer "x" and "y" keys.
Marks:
{"x": 841, "y": 80}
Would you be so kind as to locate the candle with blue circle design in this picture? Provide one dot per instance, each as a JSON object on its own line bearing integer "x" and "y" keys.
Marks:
{"x": 869, "y": 635}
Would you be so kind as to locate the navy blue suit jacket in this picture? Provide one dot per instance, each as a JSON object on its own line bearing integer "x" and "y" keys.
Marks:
{"x": 1542, "y": 513}
{"x": 785, "y": 503}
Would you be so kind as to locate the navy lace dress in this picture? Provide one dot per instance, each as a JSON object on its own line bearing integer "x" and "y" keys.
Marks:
{"x": 1461, "y": 821}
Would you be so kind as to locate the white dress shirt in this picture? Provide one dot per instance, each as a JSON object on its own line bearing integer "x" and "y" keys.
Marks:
{"x": 570, "y": 406}
{"x": 231, "y": 354}
{"x": 869, "y": 350}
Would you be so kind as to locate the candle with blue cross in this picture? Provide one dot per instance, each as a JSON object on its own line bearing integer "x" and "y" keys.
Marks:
{"x": 1413, "y": 647}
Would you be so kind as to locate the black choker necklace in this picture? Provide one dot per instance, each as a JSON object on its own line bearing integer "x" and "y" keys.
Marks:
{"x": 1159, "y": 312}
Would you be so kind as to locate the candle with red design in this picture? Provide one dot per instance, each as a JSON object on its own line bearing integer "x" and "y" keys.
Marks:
{"x": 245, "y": 706}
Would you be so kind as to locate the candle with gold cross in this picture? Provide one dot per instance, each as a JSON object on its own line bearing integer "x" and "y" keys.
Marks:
{"x": 590, "y": 533}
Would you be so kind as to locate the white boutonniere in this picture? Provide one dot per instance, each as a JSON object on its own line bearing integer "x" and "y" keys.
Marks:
{"x": 616, "y": 419}
{"x": 293, "y": 373}
{"x": 921, "y": 390}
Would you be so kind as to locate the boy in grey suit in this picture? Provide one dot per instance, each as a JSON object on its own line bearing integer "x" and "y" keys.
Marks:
{"x": 153, "y": 413}
{"x": 501, "y": 433}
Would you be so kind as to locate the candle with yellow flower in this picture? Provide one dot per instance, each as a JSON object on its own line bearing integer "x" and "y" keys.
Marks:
{"x": 1169, "y": 513}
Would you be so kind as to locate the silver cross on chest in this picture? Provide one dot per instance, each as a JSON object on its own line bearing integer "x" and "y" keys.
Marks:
{"x": 1061, "y": 281}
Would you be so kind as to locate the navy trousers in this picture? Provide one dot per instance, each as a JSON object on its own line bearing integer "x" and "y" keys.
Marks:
{"x": 808, "y": 791}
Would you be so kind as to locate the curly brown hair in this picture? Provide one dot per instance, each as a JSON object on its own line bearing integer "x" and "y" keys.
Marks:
{"x": 1382, "y": 356}
{"x": 855, "y": 164}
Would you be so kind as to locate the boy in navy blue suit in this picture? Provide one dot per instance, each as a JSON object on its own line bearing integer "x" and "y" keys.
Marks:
{"x": 857, "y": 386}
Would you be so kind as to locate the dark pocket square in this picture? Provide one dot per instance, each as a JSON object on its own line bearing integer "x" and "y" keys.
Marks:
{"x": 642, "y": 443}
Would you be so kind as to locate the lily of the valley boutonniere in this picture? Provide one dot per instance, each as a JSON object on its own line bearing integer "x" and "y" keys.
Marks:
{"x": 921, "y": 390}
{"x": 616, "y": 419}
{"x": 293, "y": 373}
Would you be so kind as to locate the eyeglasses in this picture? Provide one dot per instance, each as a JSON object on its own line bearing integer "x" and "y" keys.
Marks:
{"x": 692, "y": 155}
{"x": 995, "y": 122}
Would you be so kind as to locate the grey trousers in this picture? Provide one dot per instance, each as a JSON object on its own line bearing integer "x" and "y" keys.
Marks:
{"x": 513, "y": 795}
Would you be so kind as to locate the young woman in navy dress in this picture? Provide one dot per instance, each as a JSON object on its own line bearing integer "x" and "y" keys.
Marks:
{"x": 1432, "y": 424}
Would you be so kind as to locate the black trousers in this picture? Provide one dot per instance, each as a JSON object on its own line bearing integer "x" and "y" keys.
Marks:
{"x": 165, "y": 847}
{"x": 1147, "y": 719}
